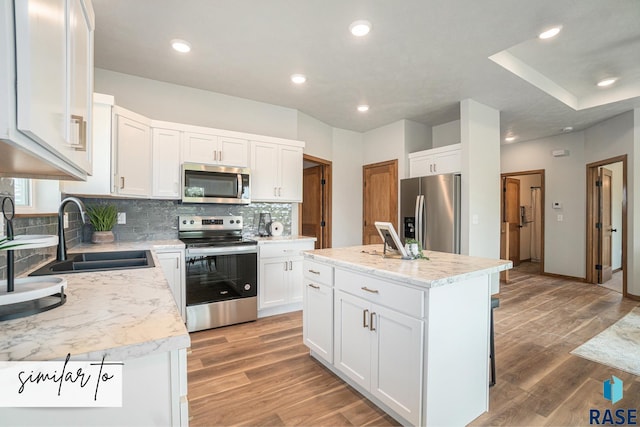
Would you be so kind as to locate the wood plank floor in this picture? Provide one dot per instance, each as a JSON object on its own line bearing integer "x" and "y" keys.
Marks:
{"x": 260, "y": 373}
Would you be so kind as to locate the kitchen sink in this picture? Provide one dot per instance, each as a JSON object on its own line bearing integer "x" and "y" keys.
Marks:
{"x": 97, "y": 261}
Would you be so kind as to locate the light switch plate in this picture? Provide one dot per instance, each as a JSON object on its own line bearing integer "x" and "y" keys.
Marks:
{"x": 560, "y": 218}
{"x": 122, "y": 217}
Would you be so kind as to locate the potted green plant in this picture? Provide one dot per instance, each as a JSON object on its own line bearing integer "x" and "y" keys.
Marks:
{"x": 102, "y": 218}
{"x": 414, "y": 248}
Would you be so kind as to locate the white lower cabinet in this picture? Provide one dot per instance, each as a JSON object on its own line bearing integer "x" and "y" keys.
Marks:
{"x": 172, "y": 263}
{"x": 317, "y": 312}
{"x": 280, "y": 276}
{"x": 381, "y": 350}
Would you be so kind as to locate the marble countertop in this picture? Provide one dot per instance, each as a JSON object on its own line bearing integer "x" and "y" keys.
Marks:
{"x": 281, "y": 239}
{"x": 120, "y": 314}
{"x": 440, "y": 269}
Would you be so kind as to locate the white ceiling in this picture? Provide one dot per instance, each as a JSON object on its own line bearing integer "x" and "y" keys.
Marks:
{"x": 421, "y": 58}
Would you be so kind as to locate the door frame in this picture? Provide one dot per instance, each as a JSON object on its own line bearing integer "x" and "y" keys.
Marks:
{"x": 591, "y": 274}
{"x": 543, "y": 191}
{"x": 326, "y": 199}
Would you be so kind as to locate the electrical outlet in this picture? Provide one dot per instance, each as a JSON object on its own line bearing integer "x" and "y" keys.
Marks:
{"x": 122, "y": 217}
{"x": 66, "y": 220}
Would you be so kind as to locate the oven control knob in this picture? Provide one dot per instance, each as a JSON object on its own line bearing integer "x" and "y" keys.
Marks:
{"x": 184, "y": 221}
{"x": 247, "y": 287}
{"x": 231, "y": 222}
{"x": 238, "y": 221}
{"x": 192, "y": 222}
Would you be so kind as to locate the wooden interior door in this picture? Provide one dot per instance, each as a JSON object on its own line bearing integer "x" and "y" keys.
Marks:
{"x": 604, "y": 225}
{"x": 379, "y": 198}
{"x": 511, "y": 215}
{"x": 312, "y": 217}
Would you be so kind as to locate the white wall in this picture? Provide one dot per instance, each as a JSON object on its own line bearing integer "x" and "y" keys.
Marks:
{"x": 564, "y": 249}
{"x": 480, "y": 218}
{"x": 348, "y": 151}
{"x": 170, "y": 102}
{"x": 417, "y": 137}
{"x": 385, "y": 143}
{"x": 317, "y": 135}
{"x": 614, "y": 137}
{"x": 446, "y": 134}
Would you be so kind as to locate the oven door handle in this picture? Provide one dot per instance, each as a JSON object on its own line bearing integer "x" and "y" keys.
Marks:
{"x": 221, "y": 251}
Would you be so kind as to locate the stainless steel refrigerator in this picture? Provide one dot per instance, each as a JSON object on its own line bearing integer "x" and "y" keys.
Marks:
{"x": 430, "y": 211}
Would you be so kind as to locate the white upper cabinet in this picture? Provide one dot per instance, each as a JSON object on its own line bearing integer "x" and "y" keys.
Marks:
{"x": 436, "y": 161}
{"x": 276, "y": 172}
{"x": 215, "y": 150}
{"x": 166, "y": 163}
{"x": 132, "y": 142}
{"x": 46, "y": 112}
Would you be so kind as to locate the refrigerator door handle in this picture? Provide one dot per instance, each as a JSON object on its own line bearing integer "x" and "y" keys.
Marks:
{"x": 421, "y": 236}
{"x": 416, "y": 223}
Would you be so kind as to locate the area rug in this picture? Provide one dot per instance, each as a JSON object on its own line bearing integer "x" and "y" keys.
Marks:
{"x": 617, "y": 346}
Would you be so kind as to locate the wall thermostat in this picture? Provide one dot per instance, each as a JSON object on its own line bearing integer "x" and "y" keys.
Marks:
{"x": 557, "y": 205}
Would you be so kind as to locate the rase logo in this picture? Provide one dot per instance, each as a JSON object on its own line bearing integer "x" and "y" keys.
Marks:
{"x": 612, "y": 390}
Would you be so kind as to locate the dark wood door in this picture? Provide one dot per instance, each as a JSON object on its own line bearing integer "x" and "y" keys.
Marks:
{"x": 312, "y": 204}
{"x": 604, "y": 232}
{"x": 511, "y": 213}
{"x": 380, "y": 198}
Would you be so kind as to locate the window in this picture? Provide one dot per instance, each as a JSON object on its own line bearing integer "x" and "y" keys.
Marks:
{"x": 23, "y": 192}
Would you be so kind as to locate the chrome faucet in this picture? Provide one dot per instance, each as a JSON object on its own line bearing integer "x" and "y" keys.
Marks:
{"x": 62, "y": 246}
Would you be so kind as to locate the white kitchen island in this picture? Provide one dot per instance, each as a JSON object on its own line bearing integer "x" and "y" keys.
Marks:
{"x": 122, "y": 315}
{"x": 411, "y": 335}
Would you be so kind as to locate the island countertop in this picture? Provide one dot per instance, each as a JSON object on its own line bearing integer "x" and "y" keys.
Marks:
{"x": 120, "y": 314}
{"x": 440, "y": 269}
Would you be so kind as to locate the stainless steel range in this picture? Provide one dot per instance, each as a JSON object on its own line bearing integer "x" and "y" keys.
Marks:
{"x": 221, "y": 271}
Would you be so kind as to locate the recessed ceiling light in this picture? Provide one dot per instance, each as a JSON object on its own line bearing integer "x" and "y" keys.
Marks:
{"x": 363, "y": 108}
{"x": 551, "y": 32}
{"x": 298, "y": 78}
{"x": 360, "y": 28}
{"x": 181, "y": 45}
{"x": 510, "y": 138}
{"x": 607, "y": 82}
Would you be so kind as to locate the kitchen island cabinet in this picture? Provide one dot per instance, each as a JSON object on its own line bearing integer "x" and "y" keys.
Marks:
{"x": 123, "y": 315}
{"x": 411, "y": 335}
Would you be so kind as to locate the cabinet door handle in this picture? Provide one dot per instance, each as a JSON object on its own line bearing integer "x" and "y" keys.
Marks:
{"x": 290, "y": 265}
{"x": 314, "y": 272}
{"x": 371, "y": 318}
{"x": 364, "y": 318}
{"x": 286, "y": 265}
{"x": 177, "y": 263}
{"x": 220, "y": 155}
{"x": 279, "y": 191}
{"x": 121, "y": 182}
{"x": 435, "y": 167}
{"x": 311, "y": 285}
{"x": 275, "y": 191}
{"x": 373, "y": 291}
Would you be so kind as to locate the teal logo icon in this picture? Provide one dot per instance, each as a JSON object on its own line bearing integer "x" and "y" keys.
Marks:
{"x": 612, "y": 389}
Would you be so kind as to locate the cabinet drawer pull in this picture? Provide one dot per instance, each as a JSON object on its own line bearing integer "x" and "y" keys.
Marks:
{"x": 364, "y": 318}
{"x": 311, "y": 285}
{"x": 121, "y": 182}
{"x": 215, "y": 155}
{"x": 314, "y": 272}
{"x": 371, "y": 318}
{"x": 373, "y": 291}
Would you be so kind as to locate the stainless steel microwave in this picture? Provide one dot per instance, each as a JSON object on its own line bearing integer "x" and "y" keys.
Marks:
{"x": 215, "y": 184}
